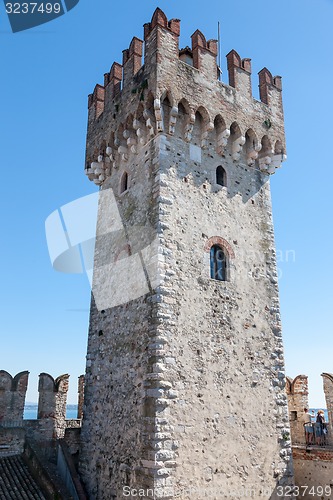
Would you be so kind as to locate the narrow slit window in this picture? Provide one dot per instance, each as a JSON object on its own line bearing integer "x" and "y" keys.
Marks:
{"x": 221, "y": 177}
{"x": 124, "y": 183}
{"x": 218, "y": 263}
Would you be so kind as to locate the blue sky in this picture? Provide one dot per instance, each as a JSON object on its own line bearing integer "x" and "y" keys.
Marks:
{"x": 47, "y": 73}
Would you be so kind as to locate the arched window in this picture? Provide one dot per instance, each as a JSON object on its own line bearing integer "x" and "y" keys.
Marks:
{"x": 221, "y": 176}
{"x": 124, "y": 183}
{"x": 218, "y": 263}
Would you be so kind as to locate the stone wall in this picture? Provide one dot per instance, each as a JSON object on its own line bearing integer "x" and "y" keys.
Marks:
{"x": 313, "y": 472}
{"x": 328, "y": 391}
{"x": 80, "y": 396}
{"x": 297, "y": 392}
{"x": 185, "y": 384}
{"x": 52, "y": 404}
{"x": 12, "y": 395}
{"x": 72, "y": 439}
{"x": 12, "y": 399}
{"x": 51, "y": 420}
{"x": 11, "y": 441}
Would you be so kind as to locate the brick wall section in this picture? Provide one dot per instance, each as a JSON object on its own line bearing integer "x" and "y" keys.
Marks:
{"x": 297, "y": 392}
{"x": 313, "y": 468}
{"x": 11, "y": 441}
{"x": 328, "y": 391}
{"x": 185, "y": 384}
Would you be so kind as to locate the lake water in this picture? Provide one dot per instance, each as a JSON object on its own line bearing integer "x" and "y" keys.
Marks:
{"x": 316, "y": 411}
{"x": 30, "y": 412}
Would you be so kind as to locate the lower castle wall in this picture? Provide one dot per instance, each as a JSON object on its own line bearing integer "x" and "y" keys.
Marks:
{"x": 313, "y": 470}
{"x": 72, "y": 440}
{"x": 40, "y": 430}
{"x": 11, "y": 441}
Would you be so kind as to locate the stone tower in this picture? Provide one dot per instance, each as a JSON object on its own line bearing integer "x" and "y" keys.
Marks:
{"x": 185, "y": 384}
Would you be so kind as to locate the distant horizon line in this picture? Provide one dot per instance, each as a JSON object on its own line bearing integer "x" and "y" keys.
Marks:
{"x": 30, "y": 403}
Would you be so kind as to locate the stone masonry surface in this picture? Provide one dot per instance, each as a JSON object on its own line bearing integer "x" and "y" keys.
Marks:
{"x": 185, "y": 383}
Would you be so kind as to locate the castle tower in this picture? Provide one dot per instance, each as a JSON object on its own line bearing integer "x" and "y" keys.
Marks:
{"x": 185, "y": 383}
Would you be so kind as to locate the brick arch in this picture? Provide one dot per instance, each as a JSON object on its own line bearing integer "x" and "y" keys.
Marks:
{"x": 204, "y": 114}
{"x": 328, "y": 376}
{"x": 299, "y": 384}
{"x": 46, "y": 383}
{"x": 61, "y": 383}
{"x": 289, "y": 382}
{"x": 20, "y": 381}
{"x": 6, "y": 380}
{"x": 159, "y": 18}
{"x": 167, "y": 94}
{"x": 217, "y": 240}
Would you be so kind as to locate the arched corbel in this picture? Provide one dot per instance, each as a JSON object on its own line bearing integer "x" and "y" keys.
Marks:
{"x": 173, "y": 119}
{"x": 208, "y": 127}
{"x": 158, "y": 115}
{"x": 131, "y": 140}
{"x": 139, "y": 130}
{"x": 237, "y": 147}
{"x": 148, "y": 116}
{"x": 189, "y": 126}
{"x": 253, "y": 146}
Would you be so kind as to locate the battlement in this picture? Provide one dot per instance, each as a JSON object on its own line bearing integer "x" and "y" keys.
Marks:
{"x": 167, "y": 94}
{"x": 12, "y": 395}
{"x": 52, "y": 401}
{"x": 201, "y": 56}
{"x": 297, "y": 393}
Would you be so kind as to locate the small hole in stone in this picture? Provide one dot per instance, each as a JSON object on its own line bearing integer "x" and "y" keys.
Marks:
{"x": 100, "y": 333}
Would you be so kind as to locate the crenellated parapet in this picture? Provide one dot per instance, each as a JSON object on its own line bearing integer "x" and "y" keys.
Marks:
{"x": 12, "y": 395}
{"x": 51, "y": 422}
{"x": 52, "y": 398}
{"x": 177, "y": 93}
{"x": 270, "y": 88}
